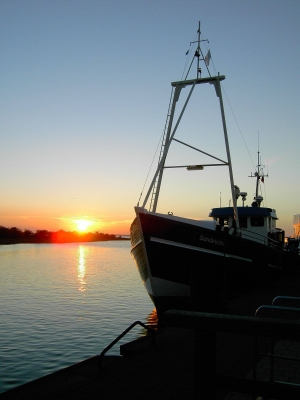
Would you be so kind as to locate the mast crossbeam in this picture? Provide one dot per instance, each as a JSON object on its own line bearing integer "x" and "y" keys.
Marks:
{"x": 209, "y": 79}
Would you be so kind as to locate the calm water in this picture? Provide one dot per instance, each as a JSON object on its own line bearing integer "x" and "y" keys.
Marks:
{"x": 62, "y": 303}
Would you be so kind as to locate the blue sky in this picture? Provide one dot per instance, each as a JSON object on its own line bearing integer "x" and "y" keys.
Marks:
{"x": 85, "y": 88}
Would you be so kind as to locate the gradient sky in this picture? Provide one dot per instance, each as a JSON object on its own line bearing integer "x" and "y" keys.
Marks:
{"x": 85, "y": 87}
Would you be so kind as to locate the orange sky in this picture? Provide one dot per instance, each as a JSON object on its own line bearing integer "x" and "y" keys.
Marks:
{"x": 86, "y": 88}
{"x": 54, "y": 224}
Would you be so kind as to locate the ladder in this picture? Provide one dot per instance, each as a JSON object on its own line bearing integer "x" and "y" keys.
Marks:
{"x": 163, "y": 143}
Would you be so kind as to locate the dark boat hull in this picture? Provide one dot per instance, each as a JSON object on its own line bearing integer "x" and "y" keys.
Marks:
{"x": 186, "y": 266}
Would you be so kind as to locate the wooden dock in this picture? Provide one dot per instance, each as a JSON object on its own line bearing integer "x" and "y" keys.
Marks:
{"x": 168, "y": 368}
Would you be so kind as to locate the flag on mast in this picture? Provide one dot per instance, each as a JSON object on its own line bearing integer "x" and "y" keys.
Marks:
{"x": 207, "y": 58}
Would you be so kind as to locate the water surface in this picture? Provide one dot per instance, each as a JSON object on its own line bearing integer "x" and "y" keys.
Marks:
{"x": 62, "y": 303}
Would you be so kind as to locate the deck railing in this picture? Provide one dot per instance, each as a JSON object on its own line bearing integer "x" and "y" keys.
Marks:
{"x": 268, "y": 241}
{"x": 287, "y": 312}
{"x": 206, "y": 327}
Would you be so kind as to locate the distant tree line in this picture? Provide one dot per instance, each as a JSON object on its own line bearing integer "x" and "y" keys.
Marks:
{"x": 16, "y": 235}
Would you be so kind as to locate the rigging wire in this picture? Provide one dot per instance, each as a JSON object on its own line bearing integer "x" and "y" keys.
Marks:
{"x": 189, "y": 52}
{"x": 238, "y": 126}
{"x": 261, "y": 172}
{"x": 236, "y": 121}
{"x": 265, "y": 195}
{"x": 158, "y": 145}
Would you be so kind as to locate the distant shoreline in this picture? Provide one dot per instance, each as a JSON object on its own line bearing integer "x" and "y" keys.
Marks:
{"x": 17, "y": 236}
{"x": 61, "y": 242}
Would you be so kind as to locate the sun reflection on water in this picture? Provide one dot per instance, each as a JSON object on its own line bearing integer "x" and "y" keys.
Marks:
{"x": 82, "y": 253}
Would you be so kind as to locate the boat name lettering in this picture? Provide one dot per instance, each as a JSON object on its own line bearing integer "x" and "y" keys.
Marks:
{"x": 211, "y": 240}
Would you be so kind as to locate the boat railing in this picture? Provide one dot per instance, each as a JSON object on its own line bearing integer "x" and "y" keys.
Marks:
{"x": 293, "y": 245}
{"x": 284, "y": 312}
{"x": 266, "y": 240}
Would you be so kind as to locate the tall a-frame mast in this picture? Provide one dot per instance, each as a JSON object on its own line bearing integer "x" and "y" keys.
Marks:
{"x": 170, "y": 131}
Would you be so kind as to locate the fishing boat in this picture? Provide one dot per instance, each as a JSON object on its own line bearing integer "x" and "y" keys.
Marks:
{"x": 201, "y": 264}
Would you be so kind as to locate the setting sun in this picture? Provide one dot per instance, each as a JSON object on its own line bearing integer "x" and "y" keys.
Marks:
{"x": 82, "y": 224}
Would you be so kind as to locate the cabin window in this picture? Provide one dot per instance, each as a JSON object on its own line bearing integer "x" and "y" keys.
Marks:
{"x": 257, "y": 221}
{"x": 223, "y": 221}
{"x": 272, "y": 223}
{"x": 243, "y": 222}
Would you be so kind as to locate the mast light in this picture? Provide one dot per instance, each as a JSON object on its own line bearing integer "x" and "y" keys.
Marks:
{"x": 195, "y": 167}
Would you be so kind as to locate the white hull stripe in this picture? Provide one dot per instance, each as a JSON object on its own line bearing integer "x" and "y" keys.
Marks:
{"x": 139, "y": 242}
{"x": 201, "y": 249}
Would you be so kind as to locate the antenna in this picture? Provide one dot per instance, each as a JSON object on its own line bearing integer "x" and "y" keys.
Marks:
{"x": 260, "y": 176}
{"x": 198, "y": 54}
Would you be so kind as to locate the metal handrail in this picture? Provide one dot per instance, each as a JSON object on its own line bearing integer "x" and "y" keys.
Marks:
{"x": 284, "y": 298}
{"x": 207, "y": 326}
{"x": 268, "y": 241}
{"x": 272, "y": 356}
{"x": 101, "y": 355}
{"x": 272, "y": 307}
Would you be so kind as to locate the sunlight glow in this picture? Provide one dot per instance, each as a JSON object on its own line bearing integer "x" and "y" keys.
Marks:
{"x": 82, "y": 224}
